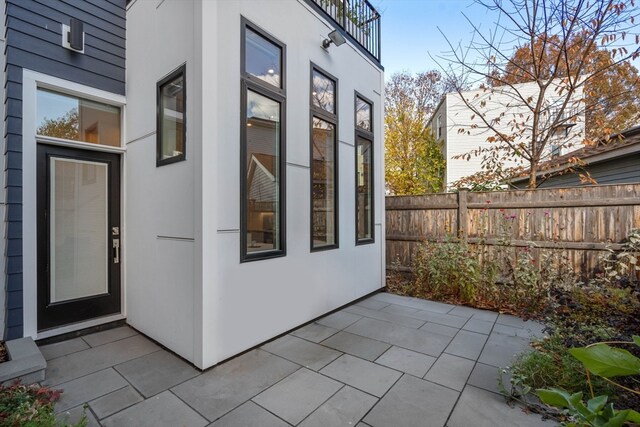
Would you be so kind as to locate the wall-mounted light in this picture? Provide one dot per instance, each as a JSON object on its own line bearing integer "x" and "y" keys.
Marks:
{"x": 73, "y": 35}
{"x": 334, "y": 37}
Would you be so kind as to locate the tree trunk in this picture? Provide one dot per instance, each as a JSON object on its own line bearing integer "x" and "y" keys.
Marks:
{"x": 533, "y": 175}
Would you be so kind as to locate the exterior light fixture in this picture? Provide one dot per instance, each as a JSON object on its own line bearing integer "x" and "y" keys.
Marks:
{"x": 334, "y": 37}
{"x": 73, "y": 35}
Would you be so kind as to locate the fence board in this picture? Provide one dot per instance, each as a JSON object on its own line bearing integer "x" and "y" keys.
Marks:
{"x": 579, "y": 222}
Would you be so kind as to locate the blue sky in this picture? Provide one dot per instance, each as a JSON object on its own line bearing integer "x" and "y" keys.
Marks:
{"x": 410, "y": 30}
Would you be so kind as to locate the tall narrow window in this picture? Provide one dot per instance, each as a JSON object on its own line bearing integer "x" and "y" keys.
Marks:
{"x": 364, "y": 170}
{"x": 171, "y": 118}
{"x": 324, "y": 161}
{"x": 262, "y": 201}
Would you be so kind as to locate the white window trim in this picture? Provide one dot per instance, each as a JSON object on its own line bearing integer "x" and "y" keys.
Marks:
{"x": 31, "y": 81}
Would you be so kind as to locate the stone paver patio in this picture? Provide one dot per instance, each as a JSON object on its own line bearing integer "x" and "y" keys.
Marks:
{"x": 387, "y": 361}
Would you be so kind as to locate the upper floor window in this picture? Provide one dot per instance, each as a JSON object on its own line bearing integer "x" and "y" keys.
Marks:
{"x": 172, "y": 126}
{"x": 77, "y": 119}
{"x": 263, "y": 58}
{"x": 363, "y": 114}
{"x": 364, "y": 171}
{"x": 439, "y": 127}
{"x": 324, "y": 161}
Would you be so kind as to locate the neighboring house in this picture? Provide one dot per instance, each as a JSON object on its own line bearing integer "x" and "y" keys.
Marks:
{"x": 210, "y": 172}
{"x": 462, "y": 131}
{"x": 614, "y": 161}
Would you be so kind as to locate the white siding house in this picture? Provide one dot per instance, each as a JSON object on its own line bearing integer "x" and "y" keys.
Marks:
{"x": 462, "y": 131}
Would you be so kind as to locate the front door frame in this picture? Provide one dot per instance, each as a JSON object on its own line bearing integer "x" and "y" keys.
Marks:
{"x": 31, "y": 82}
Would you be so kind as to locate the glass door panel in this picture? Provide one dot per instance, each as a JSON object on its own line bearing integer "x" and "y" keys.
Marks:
{"x": 79, "y": 224}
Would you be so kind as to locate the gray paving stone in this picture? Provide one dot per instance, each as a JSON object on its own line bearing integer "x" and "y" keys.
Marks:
{"x": 110, "y": 335}
{"x": 314, "y": 332}
{"x": 413, "y": 402}
{"x": 467, "y": 344}
{"x": 249, "y": 415}
{"x": 51, "y": 351}
{"x": 221, "y": 389}
{"x": 450, "y": 371}
{"x": 479, "y": 326}
{"x": 387, "y": 317}
{"x": 164, "y": 409}
{"x": 372, "y": 304}
{"x": 156, "y": 372}
{"x": 399, "y": 309}
{"x": 366, "y": 348}
{"x": 75, "y": 365}
{"x": 115, "y": 401}
{"x": 462, "y": 311}
{"x": 530, "y": 331}
{"x": 298, "y": 395}
{"x": 486, "y": 377}
{"x": 486, "y": 315}
{"x": 509, "y": 320}
{"x": 409, "y": 338}
{"x": 345, "y": 408}
{"x": 74, "y": 415}
{"x": 447, "y": 331}
{"x": 302, "y": 352}
{"x": 407, "y": 361}
{"x": 81, "y": 390}
{"x": 339, "y": 320}
{"x": 480, "y": 408}
{"x": 440, "y": 318}
{"x": 420, "y": 304}
{"x": 500, "y": 350}
{"x": 363, "y": 375}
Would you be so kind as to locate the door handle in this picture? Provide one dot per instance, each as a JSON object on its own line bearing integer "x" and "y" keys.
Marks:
{"x": 116, "y": 247}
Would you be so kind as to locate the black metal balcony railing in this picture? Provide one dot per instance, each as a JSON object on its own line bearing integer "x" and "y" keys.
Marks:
{"x": 359, "y": 19}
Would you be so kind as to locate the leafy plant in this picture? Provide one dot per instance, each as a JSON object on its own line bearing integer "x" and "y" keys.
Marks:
{"x": 606, "y": 362}
{"x": 30, "y": 406}
{"x": 595, "y": 412}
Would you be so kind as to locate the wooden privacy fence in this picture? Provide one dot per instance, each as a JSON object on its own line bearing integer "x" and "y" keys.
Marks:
{"x": 582, "y": 221}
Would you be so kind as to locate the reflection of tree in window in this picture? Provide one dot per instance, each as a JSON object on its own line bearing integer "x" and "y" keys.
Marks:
{"x": 323, "y": 182}
{"x": 65, "y": 127}
{"x": 323, "y": 92}
{"x": 364, "y": 178}
{"x": 363, "y": 114}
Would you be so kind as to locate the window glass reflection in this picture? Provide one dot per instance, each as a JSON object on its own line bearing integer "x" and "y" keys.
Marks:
{"x": 263, "y": 173}
{"x": 262, "y": 58}
{"x": 323, "y": 92}
{"x": 363, "y": 114}
{"x": 77, "y": 119}
{"x": 323, "y": 185}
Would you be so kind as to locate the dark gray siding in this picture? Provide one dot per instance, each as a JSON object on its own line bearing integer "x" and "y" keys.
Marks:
{"x": 33, "y": 41}
{"x": 622, "y": 170}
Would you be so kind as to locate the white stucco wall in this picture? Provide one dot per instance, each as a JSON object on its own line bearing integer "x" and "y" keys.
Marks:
{"x": 195, "y": 296}
{"x": 160, "y": 217}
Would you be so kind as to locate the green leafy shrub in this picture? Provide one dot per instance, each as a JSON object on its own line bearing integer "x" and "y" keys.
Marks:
{"x": 30, "y": 406}
{"x": 447, "y": 270}
{"x": 605, "y": 362}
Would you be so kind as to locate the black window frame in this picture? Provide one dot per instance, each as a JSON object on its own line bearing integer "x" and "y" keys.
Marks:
{"x": 367, "y": 135}
{"x": 332, "y": 118}
{"x": 248, "y": 82}
{"x": 181, "y": 70}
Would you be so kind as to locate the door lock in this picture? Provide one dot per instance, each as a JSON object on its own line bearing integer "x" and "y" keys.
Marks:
{"x": 116, "y": 247}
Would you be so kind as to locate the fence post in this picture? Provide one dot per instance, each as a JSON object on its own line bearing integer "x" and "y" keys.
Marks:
{"x": 462, "y": 214}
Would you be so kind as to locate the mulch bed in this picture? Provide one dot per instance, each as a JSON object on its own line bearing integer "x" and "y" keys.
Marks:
{"x": 3, "y": 353}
